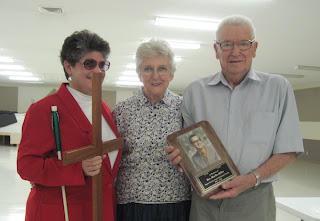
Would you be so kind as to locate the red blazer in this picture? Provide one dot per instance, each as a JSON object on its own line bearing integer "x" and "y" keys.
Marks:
{"x": 37, "y": 161}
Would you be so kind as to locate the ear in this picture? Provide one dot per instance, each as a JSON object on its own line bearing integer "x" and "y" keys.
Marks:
{"x": 255, "y": 46}
{"x": 140, "y": 77}
{"x": 67, "y": 67}
{"x": 171, "y": 77}
{"x": 215, "y": 46}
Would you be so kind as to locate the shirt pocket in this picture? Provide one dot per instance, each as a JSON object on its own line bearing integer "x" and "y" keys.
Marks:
{"x": 259, "y": 127}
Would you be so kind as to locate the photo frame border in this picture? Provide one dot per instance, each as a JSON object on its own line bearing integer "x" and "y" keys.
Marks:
{"x": 208, "y": 180}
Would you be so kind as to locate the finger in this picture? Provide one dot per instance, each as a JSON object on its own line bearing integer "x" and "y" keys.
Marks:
{"x": 169, "y": 149}
{"x": 91, "y": 170}
{"x": 93, "y": 159}
{"x": 219, "y": 195}
{"x": 93, "y": 173}
{"x": 174, "y": 154}
{"x": 176, "y": 161}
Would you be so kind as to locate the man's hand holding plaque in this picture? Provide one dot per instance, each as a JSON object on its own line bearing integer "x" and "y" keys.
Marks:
{"x": 200, "y": 154}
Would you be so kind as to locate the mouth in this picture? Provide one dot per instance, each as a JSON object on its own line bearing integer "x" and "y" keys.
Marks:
{"x": 155, "y": 84}
{"x": 234, "y": 62}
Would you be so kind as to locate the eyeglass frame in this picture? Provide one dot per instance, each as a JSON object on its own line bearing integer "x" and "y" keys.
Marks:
{"x": 196, "y": 141}
{"x": 237, "y": 43}
{"x": 156, "y": 71}
{"x": 105, "y": 67}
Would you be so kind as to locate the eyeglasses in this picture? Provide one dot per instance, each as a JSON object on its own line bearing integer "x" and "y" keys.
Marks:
{"x": 242, "y": 45}
{"x": 162, "y": 71}
{"x": 91, "y": 64}
{"x": 195, "y": 141}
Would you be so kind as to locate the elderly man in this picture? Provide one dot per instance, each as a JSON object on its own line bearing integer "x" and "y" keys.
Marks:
{"x": 255, "y": 116}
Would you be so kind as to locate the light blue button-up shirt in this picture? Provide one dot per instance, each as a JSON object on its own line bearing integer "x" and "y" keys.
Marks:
{"x": 256, "y": 119}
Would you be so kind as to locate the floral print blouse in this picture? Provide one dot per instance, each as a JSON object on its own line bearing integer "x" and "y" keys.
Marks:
{"x": 145, "y": 174}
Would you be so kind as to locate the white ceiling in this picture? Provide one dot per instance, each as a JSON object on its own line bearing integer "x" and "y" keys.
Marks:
{"x": 288, "y": 32}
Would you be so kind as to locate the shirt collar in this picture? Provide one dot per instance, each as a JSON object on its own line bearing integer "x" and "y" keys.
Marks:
{"x": 203, "y": 151}
{"x": 219, "y": 77}
{"x": 142, "y": 99}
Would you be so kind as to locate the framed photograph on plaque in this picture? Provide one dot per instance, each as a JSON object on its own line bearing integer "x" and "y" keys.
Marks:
{"x": 204, "y": 159}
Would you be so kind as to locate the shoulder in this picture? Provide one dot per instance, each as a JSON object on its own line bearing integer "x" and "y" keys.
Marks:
{"x": 174, "y": 99}
{"x": 45, "y": 103}
{"x": 200, "y": 83}
{"x": 272, "y": 79}
{"x": 126, "y": 105}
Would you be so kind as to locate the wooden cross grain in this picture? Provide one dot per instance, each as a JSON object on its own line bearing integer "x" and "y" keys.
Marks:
{"x": 96, "y": 149}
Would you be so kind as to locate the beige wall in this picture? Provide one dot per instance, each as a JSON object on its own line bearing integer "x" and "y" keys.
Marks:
{"x": 308, "y": 103}
{"x": 8, "y": 98}
{"x": 20, "y": 98}
{"x": 30, "y": 94}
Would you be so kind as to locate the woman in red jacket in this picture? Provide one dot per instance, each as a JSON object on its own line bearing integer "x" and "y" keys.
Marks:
{"x": 83, "y": 53}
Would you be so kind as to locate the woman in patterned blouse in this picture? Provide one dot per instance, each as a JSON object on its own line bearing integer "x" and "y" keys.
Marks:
{"x": 148, "y": 187}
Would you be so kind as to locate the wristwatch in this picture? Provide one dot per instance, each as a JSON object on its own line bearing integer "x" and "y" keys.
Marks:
{"x": 257, "y": 177}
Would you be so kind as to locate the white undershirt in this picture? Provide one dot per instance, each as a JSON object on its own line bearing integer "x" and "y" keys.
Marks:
{"x": 85, "y": 103}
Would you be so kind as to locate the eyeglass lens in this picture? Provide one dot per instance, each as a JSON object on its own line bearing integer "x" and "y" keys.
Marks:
{"x": 242, "y": 45}
{"x": 90, "y": 64}
{"x": 195, "y": 141}
{"x": 161, "y": 70}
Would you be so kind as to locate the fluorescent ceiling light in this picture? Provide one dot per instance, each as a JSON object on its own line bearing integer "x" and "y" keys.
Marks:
{"x": 129, "y": 73}
{"x": 16, "y": 73}
{"x": 291, "y": 75}
{"x": 11, "y": 67}
{"x": 21, "y": 78}
{"x": 177, "y": 59}
{"x": 129, "y": 83}
{"x": 131, "y": 66}
{"x": 129, "y": 78}
{"x": 5, "y": 59}
{"x": 184, "y": 45}
{"x": 180, "y": 44}
{"x": 307, "y": 68}
{"x": 186, "y": 23}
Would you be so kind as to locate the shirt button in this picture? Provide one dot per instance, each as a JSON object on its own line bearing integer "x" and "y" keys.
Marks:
{"x": 109, "y": 185}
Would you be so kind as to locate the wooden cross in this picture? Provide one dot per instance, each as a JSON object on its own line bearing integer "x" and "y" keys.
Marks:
{"x": 96, "y": 149}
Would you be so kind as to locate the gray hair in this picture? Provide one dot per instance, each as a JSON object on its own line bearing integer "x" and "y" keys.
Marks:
{"x": 153, "y": 48}
{"x": 236, "y": 20}
{"x": 80, "y": 43}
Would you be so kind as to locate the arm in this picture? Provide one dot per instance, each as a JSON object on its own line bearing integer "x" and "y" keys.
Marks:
{"x": 244, "y": 182}
{"x": 37, "y": 159}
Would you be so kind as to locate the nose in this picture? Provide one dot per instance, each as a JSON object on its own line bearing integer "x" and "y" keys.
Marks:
{"x": 97, "y": 69}
{"x": 235, "y": 49}
{"x": 155, "y": 74}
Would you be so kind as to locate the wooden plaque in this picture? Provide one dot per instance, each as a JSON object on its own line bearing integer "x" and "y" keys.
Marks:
{"x": 206, "y": 169}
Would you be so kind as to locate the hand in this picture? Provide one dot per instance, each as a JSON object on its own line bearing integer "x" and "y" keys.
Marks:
{"x": 173, "y": 157}
{"x": 92, "y": 166}
{"x": 235, "y": 186}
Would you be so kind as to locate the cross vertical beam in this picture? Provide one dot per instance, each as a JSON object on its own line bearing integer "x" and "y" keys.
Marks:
{"x": 97, "y": 142}
{"x": 96, "y": 149}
